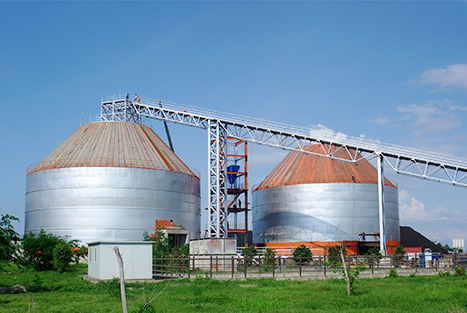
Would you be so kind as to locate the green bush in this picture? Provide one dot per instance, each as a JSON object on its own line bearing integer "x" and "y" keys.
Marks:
{"x": 393, "y": 273}
{"x": 302, "y": 255}
{"x": 377, "y": 255}
{"x": 39, "y": 251}
{"x": 62, "y": 257}
{"x": 161, "y": 247}
{"x": 249, "y": 253}
{"x": 269, "y": 259}
{"x": 460, "y": 271}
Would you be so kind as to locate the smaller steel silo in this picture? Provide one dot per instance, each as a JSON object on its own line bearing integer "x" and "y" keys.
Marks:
{"x": 310, "y": 198}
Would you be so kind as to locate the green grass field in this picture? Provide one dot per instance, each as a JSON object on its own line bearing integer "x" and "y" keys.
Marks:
{"x": 68, "y": 292}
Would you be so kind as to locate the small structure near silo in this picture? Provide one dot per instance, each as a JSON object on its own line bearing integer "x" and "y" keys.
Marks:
{"x": 103, "y": 264}
{"x": 222, "y": 250}
{"x": 176, "y": 234}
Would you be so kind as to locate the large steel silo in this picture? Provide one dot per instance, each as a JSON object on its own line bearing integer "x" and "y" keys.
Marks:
{"x": 110, "y": 181}
{"x": 311, "y": 198}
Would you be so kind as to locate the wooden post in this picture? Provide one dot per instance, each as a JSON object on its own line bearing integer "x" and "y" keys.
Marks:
{"x": 233, "y": 267}
{"x": 189, "y": 268}
{"x": 122, "y": 279}
{"x": 346, "y": 275}
{"x": 300, "y": 265}
{"x": 273, "y": 266}
{"x": 324, "y": 265}
{"x": 210, "y": 266}
{"x": 244, "y": 265}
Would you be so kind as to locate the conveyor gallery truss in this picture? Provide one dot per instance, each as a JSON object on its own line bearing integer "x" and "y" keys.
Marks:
{"x": 403, "y": 160}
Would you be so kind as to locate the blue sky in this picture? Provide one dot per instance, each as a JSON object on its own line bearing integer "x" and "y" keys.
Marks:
{"x": 392, "y": 71}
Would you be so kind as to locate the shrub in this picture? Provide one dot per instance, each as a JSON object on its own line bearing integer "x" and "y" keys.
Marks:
{"x": 393, "y": 273}
{"x": 269, "y": 259}
{"x": 377, "y": 255}
{"x": 302, "y": 255}
{"x": 249, "y": 253}
{"x": 460, "y": 271}
{"x": 62, "y": 256}
{"x": 39, "y": 251}
{"x": 161, "y": 247}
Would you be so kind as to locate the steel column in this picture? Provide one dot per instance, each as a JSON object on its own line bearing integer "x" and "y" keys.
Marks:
{"x": 382, "y": 231}
{"x": 217, "y": 211}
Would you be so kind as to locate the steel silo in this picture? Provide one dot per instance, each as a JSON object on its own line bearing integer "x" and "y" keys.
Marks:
{"x": 110, "y": 181}
{"x": 311, "y": 198}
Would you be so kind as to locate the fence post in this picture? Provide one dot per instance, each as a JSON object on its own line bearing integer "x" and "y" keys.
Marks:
{"x": 189, "y": 270}
{"x": 244, "y": 265}
{"x": 324, "y": 265}
{"x": 210, "y": 266}
{"x": 273, "y": 266}
{"x": 300, "y": 265}
{"x": 171, "y": 267}
{"x": 372, "y": 264}
{"x": 416, "y": 262}
{"x": 233, "y": 267}
{"x": 455, "y": 259}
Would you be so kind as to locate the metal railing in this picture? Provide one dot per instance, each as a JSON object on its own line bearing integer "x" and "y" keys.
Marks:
{"x": 95, "y": 162}
{"x": 283, "y": 267}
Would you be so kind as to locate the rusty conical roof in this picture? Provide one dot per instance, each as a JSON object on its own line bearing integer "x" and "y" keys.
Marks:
{"x": 301, "y": 168}
{"x": 114, "y": 144}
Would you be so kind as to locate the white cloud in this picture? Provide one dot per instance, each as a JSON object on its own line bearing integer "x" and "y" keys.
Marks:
{"x": 431, "y": 117}
{"x": 452, "y": 76}
{"x": 324, "y": 133}
{"x": 412, "y": 209}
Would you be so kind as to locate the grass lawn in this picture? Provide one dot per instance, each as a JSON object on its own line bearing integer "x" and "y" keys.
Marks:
{"x": 68, "y": 292}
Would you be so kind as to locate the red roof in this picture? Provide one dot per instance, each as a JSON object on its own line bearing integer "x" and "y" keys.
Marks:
{"x": 301, "y": 168}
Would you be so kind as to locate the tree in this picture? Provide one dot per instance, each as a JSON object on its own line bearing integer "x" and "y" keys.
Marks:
{"x": 399, "y": 255}
{"x": 337, "y": 261}
{"x": 8, "y": 237}
{"x": 302, "y": 255}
